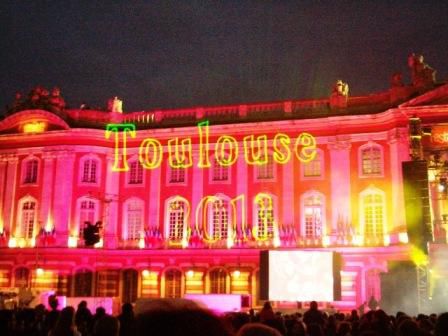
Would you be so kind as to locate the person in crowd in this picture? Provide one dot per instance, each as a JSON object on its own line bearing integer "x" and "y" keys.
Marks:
{"x": 373, "y": 303}
{"x": 126, "y": 319}
{"x": 99, "y": 313}
{"x": 267, "y": 313}
{"x": 53, "y": 314}
{"x": 257, "y": 329}
{"x": 83, "y": 318}
{"x": 313, "y": 315}
{"x": 65, "y": 325}
{"x": 106, "y": 326}
{"x": 441, "y": 327}
{"x": 179, "y": 322}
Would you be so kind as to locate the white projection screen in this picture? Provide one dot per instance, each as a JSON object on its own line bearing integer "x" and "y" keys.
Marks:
{"x": 300, "y": 276}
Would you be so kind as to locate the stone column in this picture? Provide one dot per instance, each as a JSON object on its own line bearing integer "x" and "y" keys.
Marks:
{"x": 155, "y": 203}
{"x": 287, "y": 199}
{"x": 46, "y": 206}
{"x": 3, "y": 164}
{"x": 9, "y": 193}
{"x": 197, "y": 187}
{"x": 399, "y": 152}
{"x": 64, "y": 221}
{"x": 340, "y": 183}
{"x": 110, "y": 202}
{"x": 241, "y": 181}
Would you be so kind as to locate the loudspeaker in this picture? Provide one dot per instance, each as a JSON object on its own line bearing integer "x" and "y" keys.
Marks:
{"x": 399, "y": 288}
{"x": 416, "y": 201}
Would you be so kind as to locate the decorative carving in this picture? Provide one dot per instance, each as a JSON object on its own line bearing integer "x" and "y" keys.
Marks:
{"x": 399, "y": 135}
{"x": 337, "y": 143}
{"x": 421, "y": 73}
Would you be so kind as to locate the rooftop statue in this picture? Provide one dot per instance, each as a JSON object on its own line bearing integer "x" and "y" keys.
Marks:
{"x": 38, "y": 98}
{"x": 340, "y": 89}
{"x": 421, "y": 73}
{"x": 339, "y": 95}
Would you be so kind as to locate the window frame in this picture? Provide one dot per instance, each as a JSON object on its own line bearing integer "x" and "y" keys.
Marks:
{"x": 168, "y": 219}
{"x": 303, "y": 207}
{"x": 98, "y": 170}
{"x": 78, "y": 214}
{"x": 23, "y": 231}
{"x": 211, "y": 172}
{"x": 125, "y": 229}
{"x": 24, "y": 171}
{"x": 319, "y": 154}
{"x": 370, "y": 146}
{"x": 128, "y": 183}
{"x": 256, "y": 169}
{"x": 362, "y": 213}
{"x": 274, "y": 213}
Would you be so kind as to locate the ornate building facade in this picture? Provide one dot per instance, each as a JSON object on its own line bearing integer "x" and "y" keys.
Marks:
{"x": 170, "y": 229}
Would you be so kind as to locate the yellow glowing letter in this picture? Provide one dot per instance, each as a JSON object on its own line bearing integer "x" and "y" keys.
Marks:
{"x": 265, "y": 214}
{"x": 203, "y": 205}
{"x": 204, "y": 161}
{"x": 308, "y": 150}
{"x": 257, "y": 156}
{"x": 182, "y": 206}
{"x": 180, "y": 159}
{"x": 120, "y": 164}
{"x": 282, "y": 153}
{"x": 223, "y": 158}
{"x": 157, "y": 155}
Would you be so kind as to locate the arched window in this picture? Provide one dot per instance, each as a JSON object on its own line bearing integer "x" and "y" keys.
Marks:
{"x": 83, "y": 282}
{"x": 135, "y": 175}
{"x": 220, "y": 173}
{"x": 90, "y": 169}
{"x": 264, "y": 211}
{"x": 371, "y": 159}
{"x": 22, "y": 277}
{"x": 30, "y": 169}
{"x": 173, "y": 283}
{"x": 373, "y": 215}
{"x": 133, "y": 210}
{"x": 266, "y": 171}
{"x": 27, "y": 217}
{"x": 313, "y": 217}
{"x": 129, "y": 286}
{"x": 220, "y": 218}
{"x": 218, "y": 281}
{"x": 176, "y": 210}
{"x": 314, "y": 168}
{"x": 87, "y": 212}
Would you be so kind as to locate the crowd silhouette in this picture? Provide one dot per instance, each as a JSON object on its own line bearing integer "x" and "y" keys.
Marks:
{"x": 189, "y": 319}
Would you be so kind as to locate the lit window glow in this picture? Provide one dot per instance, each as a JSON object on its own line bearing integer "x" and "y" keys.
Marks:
{"x": 35, "y": 127}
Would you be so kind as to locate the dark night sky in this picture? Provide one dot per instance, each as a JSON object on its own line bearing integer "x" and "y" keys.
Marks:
{"x": 162, "y": 54}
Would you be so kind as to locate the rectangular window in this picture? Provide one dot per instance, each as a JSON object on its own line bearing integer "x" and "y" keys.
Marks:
{"x": 220, "y": 173}
{"x": 135, "y": 223}
{"x": 177, "y": 175}
{"x": 371, "y": 161}
{"x": 31, "y": 171}
{"x": 135, "y": 173}
{"x": 266, "y": 171}
{"x": 312, "y": 168}
{"x": 28, "y": 214}
{"x": 89, "y": 171}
